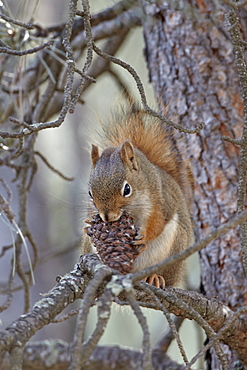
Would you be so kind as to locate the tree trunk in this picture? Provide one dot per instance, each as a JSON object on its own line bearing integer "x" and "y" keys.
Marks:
{"x": 191, "y": 65}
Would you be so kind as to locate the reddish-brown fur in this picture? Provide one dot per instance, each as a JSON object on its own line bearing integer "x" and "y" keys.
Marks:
{"x": 157, "y": 219}
{"x": 137, "y": 127}
{"x": 140, "y": 151}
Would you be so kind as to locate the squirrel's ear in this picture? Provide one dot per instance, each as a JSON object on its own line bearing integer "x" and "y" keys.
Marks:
{"x": 128, "y": 156}
{"x": 94, "y": 154}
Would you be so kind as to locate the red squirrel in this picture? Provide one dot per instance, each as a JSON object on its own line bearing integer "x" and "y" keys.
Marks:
{"x": 140, "y": 172}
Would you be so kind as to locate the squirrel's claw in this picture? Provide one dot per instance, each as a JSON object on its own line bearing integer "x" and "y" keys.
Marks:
{"x": 87, "y": 221}
{"x": 139, "y": 240}
{"x": 157, "y": 280}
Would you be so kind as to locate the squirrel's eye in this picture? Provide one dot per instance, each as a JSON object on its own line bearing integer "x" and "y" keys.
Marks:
{"x": 90, "y": 194}
{"x": 126, "y": 190}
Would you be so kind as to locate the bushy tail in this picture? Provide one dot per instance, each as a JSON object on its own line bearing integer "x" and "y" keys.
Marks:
{"x": 149, "y": 135}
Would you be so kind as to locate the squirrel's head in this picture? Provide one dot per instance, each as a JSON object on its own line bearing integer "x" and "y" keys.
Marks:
{"x": 111, "y": 180}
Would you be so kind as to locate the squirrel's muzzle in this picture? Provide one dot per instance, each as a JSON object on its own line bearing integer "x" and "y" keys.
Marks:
{"x": 109, "y": 216}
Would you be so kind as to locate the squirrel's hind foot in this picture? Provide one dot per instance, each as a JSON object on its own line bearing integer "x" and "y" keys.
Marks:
{"x": 157, "y": 280}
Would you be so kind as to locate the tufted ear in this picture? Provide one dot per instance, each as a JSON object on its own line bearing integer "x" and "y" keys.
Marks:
{"x": 127, "y": 154}
{"x": 94, "y": 154}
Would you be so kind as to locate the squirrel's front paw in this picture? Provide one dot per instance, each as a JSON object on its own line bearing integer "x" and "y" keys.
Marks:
{"x": 157, "y": 280}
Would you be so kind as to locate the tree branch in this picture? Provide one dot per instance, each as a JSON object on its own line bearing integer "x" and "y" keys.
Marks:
{"x": 239, "y": 219}
{"x": 55, "y": 354}
{"x": 233, "y": 25}
{"x": 10, "y": 51}
{"x": 69, "y": 288}
{"x": 177, "y": 301}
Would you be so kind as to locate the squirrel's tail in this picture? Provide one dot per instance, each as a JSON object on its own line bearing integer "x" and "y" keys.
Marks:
{"x": 149, "y": 135}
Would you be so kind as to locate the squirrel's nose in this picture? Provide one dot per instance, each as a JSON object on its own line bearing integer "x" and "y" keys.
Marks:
{"x": 110, "y": 216}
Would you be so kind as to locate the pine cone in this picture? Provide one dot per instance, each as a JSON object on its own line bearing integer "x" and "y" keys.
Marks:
{"x": 117, "y": 242}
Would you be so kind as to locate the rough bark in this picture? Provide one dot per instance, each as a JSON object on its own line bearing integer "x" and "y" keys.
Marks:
{"x": 56, "y": 355}
{"x": 191, "y": 65}
{"x": 230, "y": 328}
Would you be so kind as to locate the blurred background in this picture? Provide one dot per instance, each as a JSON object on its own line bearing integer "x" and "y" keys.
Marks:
{"x": 57, "y": 208}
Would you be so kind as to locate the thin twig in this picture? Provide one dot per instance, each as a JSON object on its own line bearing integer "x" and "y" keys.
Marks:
{"x": 141, "y": 90}
{"x": 19, "y": 149}
{"x": 22, "y": 222}
{"x": 198, "y": 318}
{"x": 9, "y": 293}
{"x": 122, "y": 86}
{"x": 173, "y": 328}
{"x": 147, "y": 361}
{"x": 5, "y": 249}
{"x": 89, "y": 295}
{"x": 25, "y": 52}
{"x": 21, "y": 330}
{"x": 61, "y": 251}
{"x": 39, "y": 111}
{"x": 89, "y": 55}
{"x": 91, "y": 79}
{"x": 52, "y": 168}
{"x": 104, "y": 311}
{"x": 5, "y": 203}
{"x": 28, "y": 26}
{"x": 194, "y": 248}
{"x": 233, "y": 141}
{"x": 67, "y": 39}
{"x": 164, "y": 343}
{"x": 217, "y": 336}
{"x": 18, "y": 122}
{"x": 65, "y": 317}
{"x": 233, "y": 25}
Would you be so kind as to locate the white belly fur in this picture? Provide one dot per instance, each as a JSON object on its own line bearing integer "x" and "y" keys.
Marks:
{"x": 158, "y": 249}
